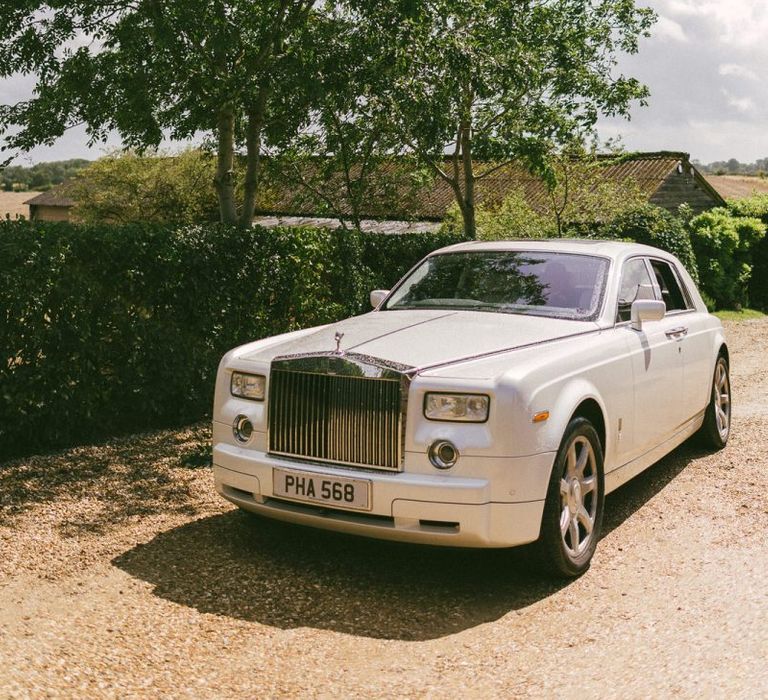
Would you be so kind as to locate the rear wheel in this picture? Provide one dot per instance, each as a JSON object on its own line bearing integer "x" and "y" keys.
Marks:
{"x": 573, "y": 511}
{"x": 717, "y": 419}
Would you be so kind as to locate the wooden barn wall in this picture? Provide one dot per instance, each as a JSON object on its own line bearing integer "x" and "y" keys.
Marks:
{"x": 679, "y": 188}
{"x": 41, "y": 212}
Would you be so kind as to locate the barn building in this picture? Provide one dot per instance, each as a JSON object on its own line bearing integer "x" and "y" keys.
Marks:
{"x": 50, "y": 206}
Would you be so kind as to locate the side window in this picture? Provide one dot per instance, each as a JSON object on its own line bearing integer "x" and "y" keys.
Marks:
{"x": 671, "y": 293}
{"x": 635, "y": 284}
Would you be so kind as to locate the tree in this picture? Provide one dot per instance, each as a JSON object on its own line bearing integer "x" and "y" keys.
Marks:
{"x": 344, "y": 160}
{"x": 124, "y": 187}
{"x": 145, "y": 67}
{"x": 580, "y": 193}
{"x": 513, "y": 218}
{"x": 45, "y": 174}
{"x": 493, "y": 81}
{"x": 579, "y": 199}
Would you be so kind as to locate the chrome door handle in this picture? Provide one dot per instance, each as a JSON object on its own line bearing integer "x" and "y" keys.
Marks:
{"x": 677, "y": 333}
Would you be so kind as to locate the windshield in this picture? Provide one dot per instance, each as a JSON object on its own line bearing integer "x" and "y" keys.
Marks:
{"x": 562, "y": 285}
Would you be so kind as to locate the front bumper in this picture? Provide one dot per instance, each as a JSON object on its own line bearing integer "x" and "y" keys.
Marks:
{"x": 439, "y": 509}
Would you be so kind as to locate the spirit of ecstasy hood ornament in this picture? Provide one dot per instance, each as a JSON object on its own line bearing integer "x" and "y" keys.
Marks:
{"x": 339, "y": 335}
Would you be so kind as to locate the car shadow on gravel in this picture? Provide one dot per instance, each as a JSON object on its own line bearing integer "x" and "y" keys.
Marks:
{"x": 288, "y": 576}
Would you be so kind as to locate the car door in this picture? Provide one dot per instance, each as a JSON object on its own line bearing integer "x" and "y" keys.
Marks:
{"x": 657, "y": 366}
{"x": 692, "y": 332}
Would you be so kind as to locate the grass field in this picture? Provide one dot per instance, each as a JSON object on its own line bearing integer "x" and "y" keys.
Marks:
{"x": 743, "y": 315}
{"x": 12, "y": 204}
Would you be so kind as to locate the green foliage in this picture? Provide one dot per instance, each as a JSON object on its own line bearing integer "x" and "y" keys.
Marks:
{"x": 343, "y": 160}
{"x": 386, "y": 258}
{"x": 579, "y": 197}
{"x": 349, "y": 186}
{"x": 756, "y": 207}
{"x": 483, "y": 79}
{"x": 126, "y": 187}
{"x": 723, "y": 244}
{"x": 513, "y": 219}
{"x": 653, "y": 226}
{"x": 115, "y": 329}
{"x": 152, "y": 69}
{"x": 580, "y": 193}
{"x": 41, "y": 176}
{"x": 500, "y": 81}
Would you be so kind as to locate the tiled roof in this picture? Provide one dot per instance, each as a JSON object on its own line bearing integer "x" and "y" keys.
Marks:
{"x": 51, "y": 198}
{"x": 647, "y": 170}
{"x": 738, "y": 186}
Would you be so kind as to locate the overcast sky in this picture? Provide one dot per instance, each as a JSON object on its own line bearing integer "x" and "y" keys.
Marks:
{"x": 706, "y": 66}
{"x": 707, "y": 69}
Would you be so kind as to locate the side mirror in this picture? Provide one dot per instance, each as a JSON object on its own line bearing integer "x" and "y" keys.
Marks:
{"x": 646, "y": 310}
{"x": 377, "y": 296}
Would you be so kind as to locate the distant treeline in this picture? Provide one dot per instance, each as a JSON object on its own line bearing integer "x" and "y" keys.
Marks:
{"x": 734, "y": 167}
{"x": 41, "y": 176}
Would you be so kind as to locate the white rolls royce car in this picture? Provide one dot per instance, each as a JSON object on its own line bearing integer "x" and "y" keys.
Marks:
{"x": 491, "y": 399}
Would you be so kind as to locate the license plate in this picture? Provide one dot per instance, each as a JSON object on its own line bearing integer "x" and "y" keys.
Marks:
{"x": 335, "y": 491}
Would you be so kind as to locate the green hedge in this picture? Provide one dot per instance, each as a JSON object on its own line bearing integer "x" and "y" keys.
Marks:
{"x": 756, "y": 207}
{"x": 387, "y": 258}
{"x": 111, "y": 329}
{"x": 654, "y": 226}
{"x": 115, "y": 329}
{"x": 724, "y": 245}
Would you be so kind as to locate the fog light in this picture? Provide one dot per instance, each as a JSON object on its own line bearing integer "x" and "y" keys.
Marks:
{"x": 443, "y": 454}
{"x": 242, "y": 429}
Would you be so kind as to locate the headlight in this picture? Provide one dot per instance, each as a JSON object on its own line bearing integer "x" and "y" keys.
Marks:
{"x": 248, "y": 386}
{"x": 468, "y": 408}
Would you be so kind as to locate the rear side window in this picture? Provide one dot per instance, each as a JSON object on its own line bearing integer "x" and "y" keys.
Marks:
{"x": 635, "y": 284}
{"x": 669, "y": 284}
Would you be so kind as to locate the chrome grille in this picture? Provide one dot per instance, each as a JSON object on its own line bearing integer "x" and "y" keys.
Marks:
{"x": 348, "y": 420}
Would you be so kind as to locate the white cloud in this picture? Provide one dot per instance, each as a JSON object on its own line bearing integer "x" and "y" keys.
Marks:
{"x": 709, "y": 92}
{"x": 741, "y": 104}
{"x": 740, "y": 23}
{"x": 738, "y": 71}
{"x": 666, "y": 28}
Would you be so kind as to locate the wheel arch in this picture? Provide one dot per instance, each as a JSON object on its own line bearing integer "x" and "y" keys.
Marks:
{"x": 590, "y": 409}
{"x": 578, "y": 398}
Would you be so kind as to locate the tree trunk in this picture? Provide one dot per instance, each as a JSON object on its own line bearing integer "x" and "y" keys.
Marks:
{"x": 470, "y": 224}
{"x": 253, "y": 157}
{"x": 468, "y": 206}
{"x": 225, "y": 166}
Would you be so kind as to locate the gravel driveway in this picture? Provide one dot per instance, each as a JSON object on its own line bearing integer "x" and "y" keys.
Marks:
{"x": 123, "y": 575}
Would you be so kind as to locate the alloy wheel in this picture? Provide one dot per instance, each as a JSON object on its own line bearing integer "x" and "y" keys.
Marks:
{"x": 578, "y": 497}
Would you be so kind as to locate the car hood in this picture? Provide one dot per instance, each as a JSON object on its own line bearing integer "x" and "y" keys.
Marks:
{"x": 423, "y": 338}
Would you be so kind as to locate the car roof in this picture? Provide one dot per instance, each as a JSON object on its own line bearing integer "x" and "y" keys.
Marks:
{"x": 612, "y": 249}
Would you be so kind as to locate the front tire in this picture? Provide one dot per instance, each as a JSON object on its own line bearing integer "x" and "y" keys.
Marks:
{"x": 573, "y": 511}
{"x": 717, "y": 419}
